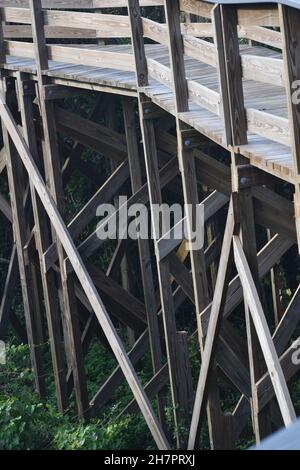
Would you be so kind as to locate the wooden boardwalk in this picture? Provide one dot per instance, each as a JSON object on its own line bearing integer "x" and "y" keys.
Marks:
{"x": 268, "y": 132}
{"x": 208, "y": 99}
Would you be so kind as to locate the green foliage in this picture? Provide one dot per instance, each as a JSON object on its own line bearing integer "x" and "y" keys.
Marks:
{"x": 122, "y": 434}
{"x": 27, "y": 423}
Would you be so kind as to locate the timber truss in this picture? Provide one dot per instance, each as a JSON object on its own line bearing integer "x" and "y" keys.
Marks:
{"x": 192, "y": 130}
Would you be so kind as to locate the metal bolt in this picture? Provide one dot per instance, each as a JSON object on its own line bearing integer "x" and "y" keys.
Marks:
{"x": 187, "y": 142}
{"x": 244, "y": 180}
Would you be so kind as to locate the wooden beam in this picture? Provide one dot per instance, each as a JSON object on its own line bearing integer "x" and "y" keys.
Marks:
{"x": 263, "y": 333}
{"x": 42, "y": 239}
{"x": 233, "y": 70}
{"x": 17, "y": 187}
{"x": 214, "y": 326}
{"x": 8, "y": 292}
{"x": 83, "y": 276}
{"x": 129, "y": 109}
{"x": 54, "y": 179}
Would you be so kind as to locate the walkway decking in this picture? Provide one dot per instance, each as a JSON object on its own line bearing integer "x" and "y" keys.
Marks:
{"x": 271, "y": 156}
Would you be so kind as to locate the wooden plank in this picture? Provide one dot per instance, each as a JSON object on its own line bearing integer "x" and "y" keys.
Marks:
{"x": 196, "y": 8}
{"x": 258, "y": 15}
{"x": 91, "y": 134}
{"x": 263, "y": 333}
{"x": 261, "y": 421}
{"x": 65, "y": 4}
{"x": 214, "y": 326}
{"x": 104, "y": 25}
{"x": 5, "y": 208}
{"x": 168, "y": 308}
{"x": 288, "y": 323}
{"x": 51, "y": 32}
{"x": 269, "y": 126}
{"x": 200, "y": 49}
{"x": 8, "y": 292}
{"x": 42, "y": 242}
{"x": 130, "y": 125}
{"x": 75, "y": 55}
{"x": 214, "y": 202}
{"x": 123, "y": 3}
{"x": 263, "y": 69}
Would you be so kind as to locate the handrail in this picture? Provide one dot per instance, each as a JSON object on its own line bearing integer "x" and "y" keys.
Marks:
{"x": 256, "y": 21}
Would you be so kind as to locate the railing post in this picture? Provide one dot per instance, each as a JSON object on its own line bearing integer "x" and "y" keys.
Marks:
{"x": 230, "y": 73}
{"x": 290, "y": 32}
{"x": 2, "y": 43}
{"x": 176, "y": 51}
{"x": 137, "y": 38}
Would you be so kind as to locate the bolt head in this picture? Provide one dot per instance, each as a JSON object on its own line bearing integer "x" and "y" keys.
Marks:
{"x": 244, "y": 180}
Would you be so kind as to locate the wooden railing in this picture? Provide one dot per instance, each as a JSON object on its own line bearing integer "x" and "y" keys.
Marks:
{"x": 208, "y": 36}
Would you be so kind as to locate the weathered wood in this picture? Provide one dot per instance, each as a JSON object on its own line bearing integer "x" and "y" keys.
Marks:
{"x": 54, "y": 177}
{"x": 263, "y": 333}
{"x": 234, "y": 75}
{"x": 8, "y": 292}
{"x": 82, "y": 275}
{"x": 217, "y": 312}
{"x": 137, "y": 39}
{"x": 143, "y": 245}
{"x": 42, "y": 241}
{"x": 261, "y": 422}
{"x": 190, "y": 191}
{"x": 17, "y": 188}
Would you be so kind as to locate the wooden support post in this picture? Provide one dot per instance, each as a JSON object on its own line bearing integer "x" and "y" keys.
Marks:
{"x": 190, "y": 191}
{"x": 54, "y": 178}
{"x": 290, "y": 32}
{"x": 129, "y": 109}
{"x": 83, "y": 276}
{"x": 216, "y": 315}
{"x": 43, "y": 240}
{"x": 262, "y": 425}
{"x": 173, "y": 352}
{"x": 17, "y": 188}
{"x": 8, "y": 292}
{"x": 263, "y": 333}
{"x": 221, "y": 70}
{"x": 155, "y": 196}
